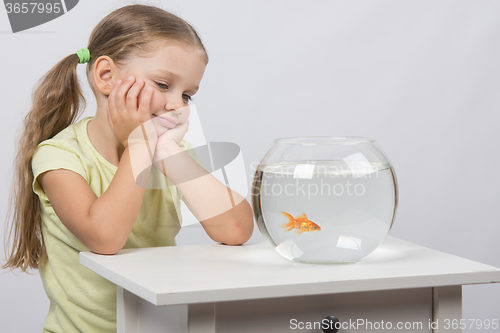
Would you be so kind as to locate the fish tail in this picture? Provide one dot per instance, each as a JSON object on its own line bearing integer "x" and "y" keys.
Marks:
{"x": 291, "y": 221}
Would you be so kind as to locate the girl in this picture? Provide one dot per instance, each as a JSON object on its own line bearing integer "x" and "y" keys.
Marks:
{"x": 76, "y": 183}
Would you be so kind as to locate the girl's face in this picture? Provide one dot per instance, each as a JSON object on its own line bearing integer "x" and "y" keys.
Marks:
{"x": 173, "y": 71}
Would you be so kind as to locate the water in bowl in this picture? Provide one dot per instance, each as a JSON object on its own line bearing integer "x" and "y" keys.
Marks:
{"x": 353, "y": 204}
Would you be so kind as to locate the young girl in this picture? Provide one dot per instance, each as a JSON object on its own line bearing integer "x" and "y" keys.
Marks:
{"x": 76, "y": 187}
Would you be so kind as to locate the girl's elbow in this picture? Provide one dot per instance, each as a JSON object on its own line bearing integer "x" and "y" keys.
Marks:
{"x": 108, "y": 245}
{"x": 242, "y": 231}
{"x": 106, "y": 249}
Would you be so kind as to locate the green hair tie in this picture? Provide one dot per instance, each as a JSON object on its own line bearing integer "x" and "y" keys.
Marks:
{"x": 83, "y": 54}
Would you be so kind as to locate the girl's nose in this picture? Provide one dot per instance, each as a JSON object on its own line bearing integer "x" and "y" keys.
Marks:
{"x": 174, "y": 103}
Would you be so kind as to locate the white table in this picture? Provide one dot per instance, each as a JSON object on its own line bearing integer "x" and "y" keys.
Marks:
{"x": 251, "y": 288}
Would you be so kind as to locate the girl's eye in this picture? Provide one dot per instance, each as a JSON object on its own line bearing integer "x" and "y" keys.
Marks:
{"x": 186, "y": 97}
{"x": 161, "y": 85}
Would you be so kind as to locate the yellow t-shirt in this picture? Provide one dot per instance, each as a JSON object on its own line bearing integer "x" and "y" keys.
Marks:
{"x": 81, "y": 300}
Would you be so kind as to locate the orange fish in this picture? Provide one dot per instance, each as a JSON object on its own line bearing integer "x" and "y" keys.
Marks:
{"x": 301, "y": 223}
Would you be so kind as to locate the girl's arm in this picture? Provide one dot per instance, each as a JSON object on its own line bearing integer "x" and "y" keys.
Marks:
{"x": 102, "y": 224}
{"x": 224, "y": 214}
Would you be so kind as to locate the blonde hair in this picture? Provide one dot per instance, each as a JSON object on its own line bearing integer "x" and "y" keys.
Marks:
{"x": 56, "y": 103}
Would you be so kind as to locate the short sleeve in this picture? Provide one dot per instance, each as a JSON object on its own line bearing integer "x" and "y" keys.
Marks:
{"x": 48, "y": 157}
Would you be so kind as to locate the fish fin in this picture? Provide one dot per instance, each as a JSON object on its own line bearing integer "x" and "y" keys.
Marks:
{"x": 288, "y": 226}
{"x": 299, "y": 232}
{"x": 291, "y": 221}
{"x": 302, "y": 216}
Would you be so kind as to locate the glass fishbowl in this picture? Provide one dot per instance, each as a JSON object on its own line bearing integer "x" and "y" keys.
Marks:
{"x": 325, "y": 199}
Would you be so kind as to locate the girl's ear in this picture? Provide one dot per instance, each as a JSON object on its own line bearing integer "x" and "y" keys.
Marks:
{"x": 105, "y": 74}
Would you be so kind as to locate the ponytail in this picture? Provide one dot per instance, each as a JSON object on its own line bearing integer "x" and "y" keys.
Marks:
{"x": 56, "y": 102}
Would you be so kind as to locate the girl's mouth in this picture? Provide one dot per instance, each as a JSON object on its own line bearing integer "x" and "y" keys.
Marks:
{"x": 166, "y": 121}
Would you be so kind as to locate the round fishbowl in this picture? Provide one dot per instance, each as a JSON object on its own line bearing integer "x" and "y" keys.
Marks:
{"x": 325, "y": 199}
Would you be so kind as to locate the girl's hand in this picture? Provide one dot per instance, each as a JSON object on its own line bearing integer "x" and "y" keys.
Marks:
{"x": 168, "y": 131}
{"x": 124, "y": 114}
{"x": 170, "y": 134}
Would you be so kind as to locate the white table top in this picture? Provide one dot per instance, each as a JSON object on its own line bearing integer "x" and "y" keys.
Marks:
{"x": 212, "y": 273}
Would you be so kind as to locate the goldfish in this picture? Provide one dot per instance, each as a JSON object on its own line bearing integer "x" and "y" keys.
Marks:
{"x": 301, "y": 223}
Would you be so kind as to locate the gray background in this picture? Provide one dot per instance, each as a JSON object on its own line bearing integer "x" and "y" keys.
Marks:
{"x": 421, "y": 77}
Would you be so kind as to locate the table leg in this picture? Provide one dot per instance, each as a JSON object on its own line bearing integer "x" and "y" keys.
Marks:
{"x": 126, "y": 311}
{"x": 201, "y": 318}
{"x": 447, "y": 309}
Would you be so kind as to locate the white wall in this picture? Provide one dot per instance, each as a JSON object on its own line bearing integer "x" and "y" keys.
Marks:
{"x": 422, "y": 77}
